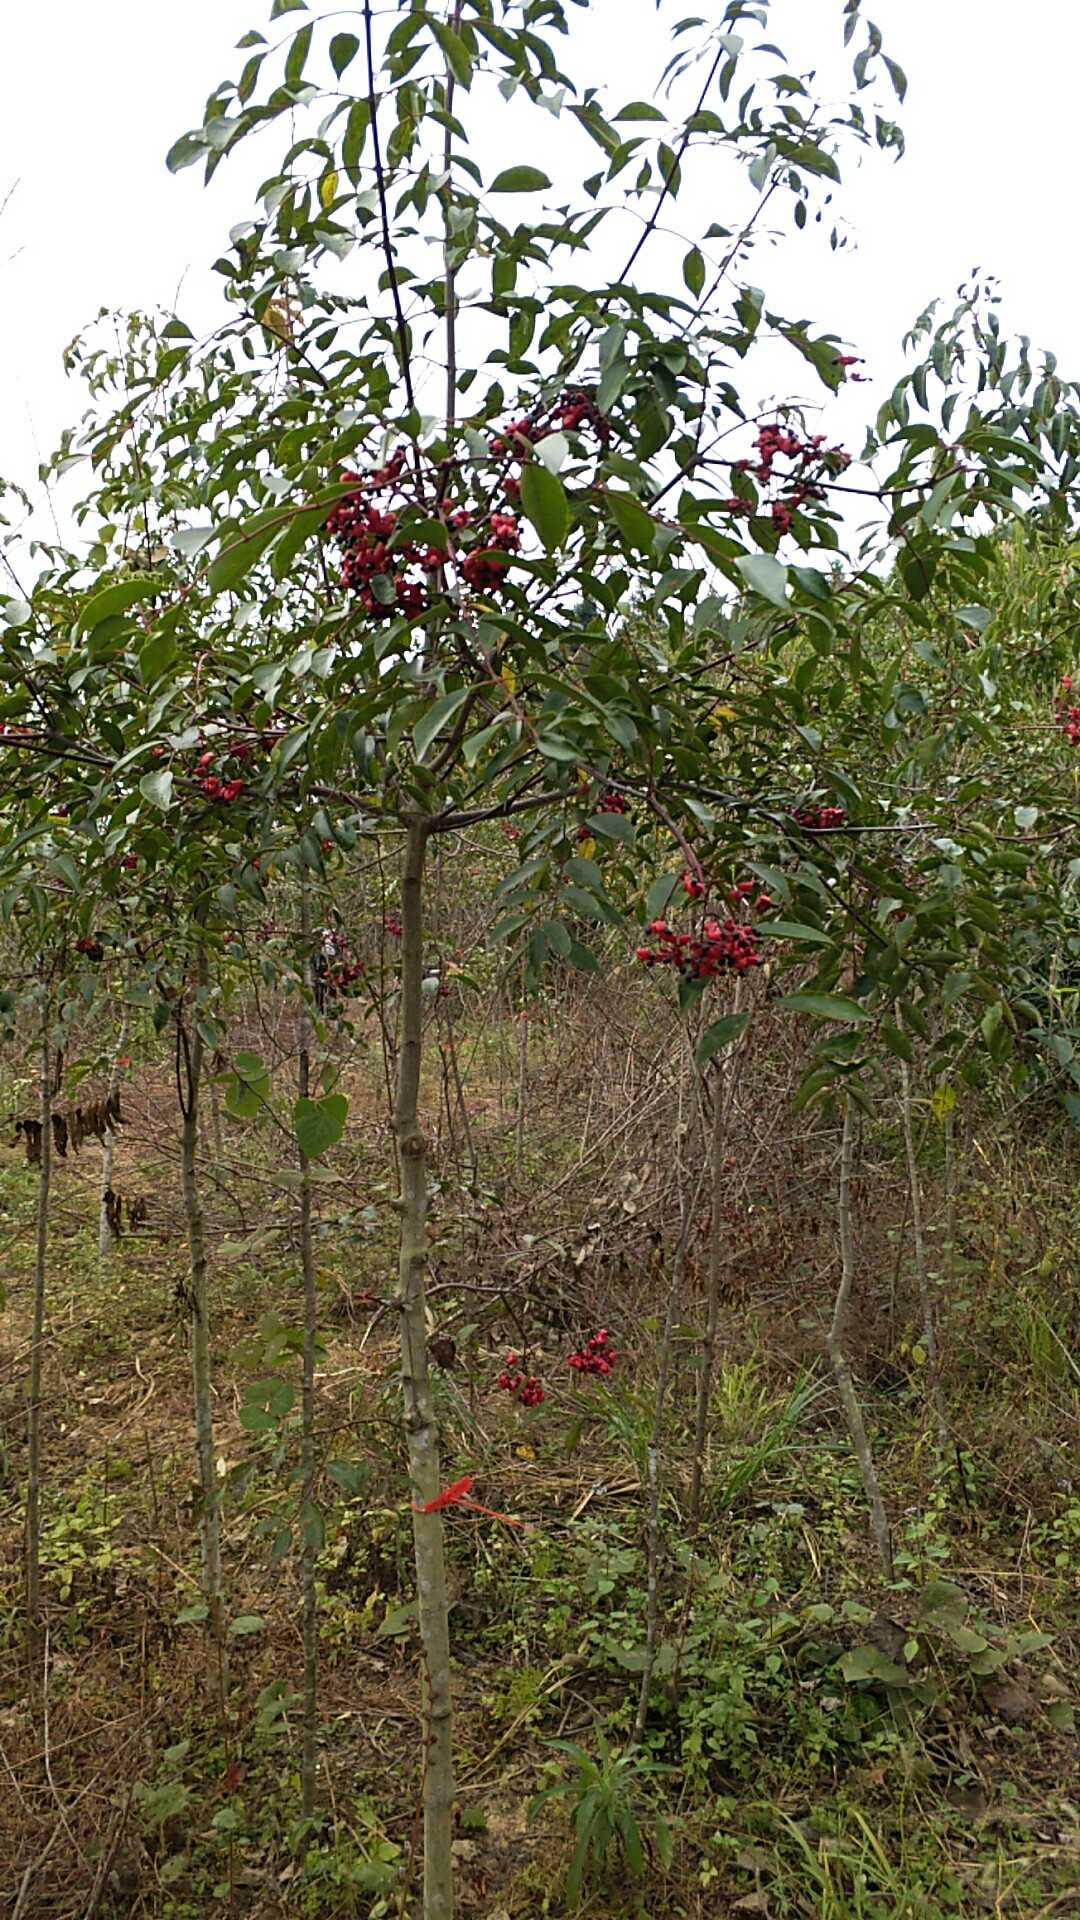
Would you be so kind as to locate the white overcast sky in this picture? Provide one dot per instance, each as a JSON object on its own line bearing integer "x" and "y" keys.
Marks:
{"x": 94, "y": 95}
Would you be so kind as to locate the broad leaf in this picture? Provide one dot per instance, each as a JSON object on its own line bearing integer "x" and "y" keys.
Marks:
{"x": 826, "y": 1006}
{"x": 765, "y": 574}
{"x": 431, "y": 723}
{"x": 519, "y": 180}
{"x": 720, "y": 1035}
{"x": 319, "y": 1124}
{"x": 543, "y": 498}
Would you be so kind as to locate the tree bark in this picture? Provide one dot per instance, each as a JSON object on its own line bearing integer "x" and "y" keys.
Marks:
{"x": 926, "y": 1304}
{"x": 190, "y": 1075}
{"x": 420, "y": 1425}
{"x": 653, "y": 1458}
{"x": 37, "y": 1345}
{"x": 836, "y": 1344}
{"x": 723, "y": 1093}
{"x": 308, "y": 1520}
{"x": 105, "y": 1232}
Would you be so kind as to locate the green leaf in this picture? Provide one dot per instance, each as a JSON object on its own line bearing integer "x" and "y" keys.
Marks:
{"x": 185, "y": 151}
{"x": 868, "y": 1663}
{"x": 543, "y": 498}
{"x": 457, "y": 55}
{"x": 248, "y": 1091}
{"x": 356, "y": 127}
{"x": 240, "y": 549}
{"x": 519, "y": 180}
{"x": 156, "y": 657}
{"x": 659, "y": 894}
{"x": 553, "y": 747}
{"x": 352, "y": 1477}
{"x": 611, "y": 826}
{"x": 827, "y": 1006}
{"x": 637, "y": 527}
{"x": 398, "y": 1621}
{"x": 117, "y": 599}
{"x": 157, "y": 788}
{"x": 794, "y": 930}
{"x": 343, "y": 48}
{"x": 720, "y": 1035}
{"x": 552, "y": 451}
{"x": 319, "y": 1124}
{"x": 693, "y": 270}
{"x": 247, "y": 1623}
{"x": 765, "y": 574}
{"x": 436, "y": 717}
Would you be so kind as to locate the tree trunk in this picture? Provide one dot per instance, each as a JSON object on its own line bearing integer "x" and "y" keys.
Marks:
{"x": 420, "y": 1425}
{"x": 926, "y": 1304}
{"x": 835, "y": 1342}
{"x": 723, "y": 1093}
{"x": 712, "y": 1311}
{"x": 674, "y": 1303}
{"x": 191, "y": 1072}
{"x": 522, "y": 1088}
{"x": 308, "y": 1520}
{"x": 105, "y": 1232}
{"x": 37, "y": 1343}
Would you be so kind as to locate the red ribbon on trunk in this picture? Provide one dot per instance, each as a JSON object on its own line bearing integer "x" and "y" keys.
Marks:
{"x": 456, "y": 1496}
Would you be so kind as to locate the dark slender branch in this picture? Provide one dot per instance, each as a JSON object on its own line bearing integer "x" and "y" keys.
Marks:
{"x": 384, "y": 219}
{"x": 453, "y": 822}
{"x": 675, "y": 164}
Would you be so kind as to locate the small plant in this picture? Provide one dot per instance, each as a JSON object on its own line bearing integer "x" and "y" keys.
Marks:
{"x": 610, "y": 1813}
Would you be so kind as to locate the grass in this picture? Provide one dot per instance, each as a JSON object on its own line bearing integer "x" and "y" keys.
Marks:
{"x": 786, "y": 1787}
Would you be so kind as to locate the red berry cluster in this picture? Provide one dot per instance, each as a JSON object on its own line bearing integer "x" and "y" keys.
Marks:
{"x": 484, "y": 565}
{"x": 224, "y": 790}
{"x": 596, "y": 1356}
{"x": 812, "y": 460}
{"x": 1068, "y": 716}
{"x": 722, "y": 946}
{"x": 740, "y": 897}
{"x": 574, "y": 410}
{"x": 92, "y": 948}
{"x": 225, "y": 785}
{"x": 403, "y": 569}
{"x": 608, "y": 803}
{"x": 392, "y": 926}
{"x": 693, "y": 888}
{"x": 335, "y": 966}
{"x": 363, "y": 531}
{"x": 525, "y": 1388}
{"x": 820, "y": 819}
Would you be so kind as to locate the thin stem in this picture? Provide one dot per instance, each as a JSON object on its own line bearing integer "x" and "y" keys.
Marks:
{"x": 926, "y": 1304}
{"x": 421, "y": 1427}
{"x": 837, "y": 1350}
{"x": 105, "y": 1231}
{"x": 384, "y": 217}
{"x": 724, "y": 1080}
{"x": 676, "y": 162}
{"x": 37, "y": 1343}
{"x": 190, "y": 1057}
{"x": 663, "y": 1379}
{"x": 307, "y": 1389}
